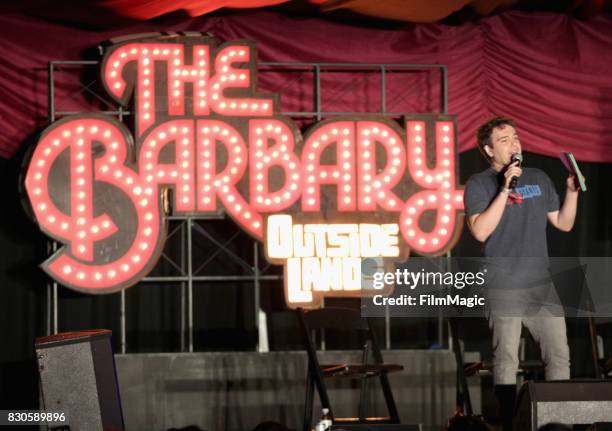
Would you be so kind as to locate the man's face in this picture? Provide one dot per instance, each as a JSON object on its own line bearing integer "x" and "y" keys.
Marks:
{"x": 504, "y": 143}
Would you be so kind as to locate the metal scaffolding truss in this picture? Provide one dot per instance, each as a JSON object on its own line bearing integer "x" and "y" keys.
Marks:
{"x": 182, "y": 265}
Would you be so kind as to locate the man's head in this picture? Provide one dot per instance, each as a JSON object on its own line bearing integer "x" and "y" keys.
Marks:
{"x": 498, "y": 140}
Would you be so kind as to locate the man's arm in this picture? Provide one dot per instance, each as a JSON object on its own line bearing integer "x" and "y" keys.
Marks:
{"x": 564, "y": 218}
{"x": 483, "y": 224}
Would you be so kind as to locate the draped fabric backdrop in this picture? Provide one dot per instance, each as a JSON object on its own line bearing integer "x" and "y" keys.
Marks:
{"x": 549, "y": 72}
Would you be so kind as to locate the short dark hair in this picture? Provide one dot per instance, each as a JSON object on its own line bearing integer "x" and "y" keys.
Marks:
{"x": 483, "y": 135}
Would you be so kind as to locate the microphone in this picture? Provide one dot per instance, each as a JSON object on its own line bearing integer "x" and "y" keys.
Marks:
{"x": 516, "y": 157}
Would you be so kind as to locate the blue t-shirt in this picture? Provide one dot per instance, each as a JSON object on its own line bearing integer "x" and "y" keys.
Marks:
{"x": 521, "y": 231}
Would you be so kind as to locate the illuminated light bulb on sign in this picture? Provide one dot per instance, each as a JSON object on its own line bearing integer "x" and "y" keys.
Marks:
{"x": 203, "y": 131}
{"x": 340, "y": 174}
{"x": 280, "y": 155}
{"x": 368, "y": 175}
{"x": 324, "y": 258}
{"x": 61, "y": 225}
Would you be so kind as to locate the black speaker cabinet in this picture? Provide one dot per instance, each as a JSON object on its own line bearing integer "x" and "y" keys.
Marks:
{"x": 571, "y": 402}
{"x": 78, "y": 377}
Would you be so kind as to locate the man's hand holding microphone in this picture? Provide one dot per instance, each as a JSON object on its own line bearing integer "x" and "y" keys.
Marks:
{"x": 512, "y": 173}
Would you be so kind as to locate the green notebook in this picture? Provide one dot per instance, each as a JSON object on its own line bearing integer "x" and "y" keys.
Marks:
{"x": 569, "y": 161}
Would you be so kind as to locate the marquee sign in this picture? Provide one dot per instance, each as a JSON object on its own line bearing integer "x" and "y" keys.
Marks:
{"x": 349, "y": 188}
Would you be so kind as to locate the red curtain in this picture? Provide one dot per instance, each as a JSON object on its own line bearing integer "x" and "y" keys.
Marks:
{"x": 105, "y": 13}
{"x": 143, "y": 10}
{"x": 549, "y": 72}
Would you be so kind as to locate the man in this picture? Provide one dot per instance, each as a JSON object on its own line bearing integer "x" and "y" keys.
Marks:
{"x": 511, "y": 224}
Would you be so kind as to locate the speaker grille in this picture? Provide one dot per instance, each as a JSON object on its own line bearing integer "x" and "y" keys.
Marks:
{"x": 78, "y": 378}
